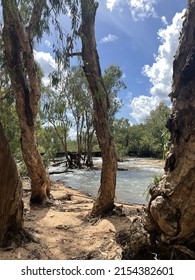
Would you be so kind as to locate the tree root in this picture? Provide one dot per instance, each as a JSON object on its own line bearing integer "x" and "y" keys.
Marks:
{"x": 15, "y": 239}
{"x": 185, "y": 251}
{"x": 29, "y": 236}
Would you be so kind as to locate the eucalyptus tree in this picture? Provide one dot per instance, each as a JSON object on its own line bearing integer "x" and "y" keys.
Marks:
{"x": 83, "y": 14}
{"x": 92, "y": 69}
{"x": 121, "y": 132}
{"x": 9, "y": 120}
{"x": 19, "y": 33}
{"x": 80, "y": 105}
{"x": 54, "y": 112}
{"x": 48, "y": 142}
{"x": 156, "y": 131}
{"x": 74, "y": 87}
{"x": 8, "y": 114}
{"x": 11, "y": 205}
{"x": 171, "y": 208}
{"x": 114, "y": 84}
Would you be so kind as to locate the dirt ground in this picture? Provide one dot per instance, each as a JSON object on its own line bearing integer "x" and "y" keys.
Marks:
{"x": 62, "y": 230}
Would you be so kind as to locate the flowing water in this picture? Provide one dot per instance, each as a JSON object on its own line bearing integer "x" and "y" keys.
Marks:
{"x": 132, "y": 184}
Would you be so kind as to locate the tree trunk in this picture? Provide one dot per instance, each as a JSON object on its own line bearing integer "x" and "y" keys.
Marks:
{"x": 18, "y": 42}
{"x": 88, "y": 140}
{"x": 171, "y": 208}
{"x": 11, "y": 205}
{"x": 106, "y": 193}
{"x": 89, "y": 161}
{"x": 62, "y": 140}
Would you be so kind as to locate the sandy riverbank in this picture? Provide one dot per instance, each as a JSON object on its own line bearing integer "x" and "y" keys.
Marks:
{"x": 63, "y": 232}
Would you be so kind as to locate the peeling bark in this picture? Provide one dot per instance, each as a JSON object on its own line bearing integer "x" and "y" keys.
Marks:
{"x": 106, "y": 193}
{"x": 24, "y": 81}
{"x": 171, "y": 209}
{"x": 11, "y": 205}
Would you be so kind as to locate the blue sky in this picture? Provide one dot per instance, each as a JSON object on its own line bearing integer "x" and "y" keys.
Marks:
{"x": 141, "y": 37}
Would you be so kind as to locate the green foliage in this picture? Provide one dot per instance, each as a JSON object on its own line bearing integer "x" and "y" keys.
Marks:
{"x": 77, "y": 91}
{"x": 155, "y": 125}
{"x": 48, "y": 142}
{"x": 8, "y": 116}
{"x": 71, "y": 93}
{"x": 156, "y": 181}
{"x": 150, "y": 139}
{"x": 72, "y": 145}
{"x": 69, "y": 104}
{"x": 121, "y": 135}
{"x": 114, "y": 84}
{"x": 80, "y": 105}
{"x": 9, "y": 120}
{"x": 22, "y": 168}
{"x": 54, "y": 117}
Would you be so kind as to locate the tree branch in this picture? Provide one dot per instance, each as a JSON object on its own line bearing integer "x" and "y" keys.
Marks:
{"x": 74, "y": 54}
{"x": 5, "y": 95}
{"x": 34, "y": 25}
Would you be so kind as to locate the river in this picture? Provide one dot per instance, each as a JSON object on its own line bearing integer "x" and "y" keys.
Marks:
{"x": 132, "y": 184}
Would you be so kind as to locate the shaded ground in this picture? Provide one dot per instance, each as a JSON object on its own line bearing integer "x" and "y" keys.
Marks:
{"x": 62, "y": 230}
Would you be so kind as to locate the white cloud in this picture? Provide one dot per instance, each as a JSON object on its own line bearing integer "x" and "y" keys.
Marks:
{"x": 47, "y": 63}
{"x": 141, "y": 107}
{"x": 160, "y": 73}
{"x": 110, "y": 4}
{"x": 109, "y": 38}
{"x": 140, "y": 9}
{"x": 164, "y": 20}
